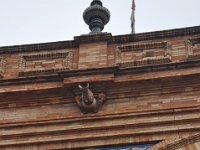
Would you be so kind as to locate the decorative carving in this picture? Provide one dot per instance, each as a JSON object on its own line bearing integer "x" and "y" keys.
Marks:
{"x": 145, "y": 54}
{"x": 141, "y": 47}
{"x": 195, "y": 41}
{"x": 88, "y": 103}
{"x": 146, "y": 62}
{"x": 45, "y": 63}
{"x": 193, "y": 49}
{"x": 2, "y": 66}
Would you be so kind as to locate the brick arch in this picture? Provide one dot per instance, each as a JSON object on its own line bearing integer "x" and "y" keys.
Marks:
{"x": 178, "y": 144}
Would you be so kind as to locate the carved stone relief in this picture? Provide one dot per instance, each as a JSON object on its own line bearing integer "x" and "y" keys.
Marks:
{"x": 2, "y": 66}
{"x": 45, "y": 63}
{"x": 87, "y": 102}
{"x": 193, "y": 49}
{"x": 143, "y": 54}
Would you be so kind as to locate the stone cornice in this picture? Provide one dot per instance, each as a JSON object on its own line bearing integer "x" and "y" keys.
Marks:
{"x": 156, "y": 35}
{"x": 59, "y": 76}
{"x": 38, "y": 47}
{"x": 89, "y": 38}
{"x": 116, "y": 71}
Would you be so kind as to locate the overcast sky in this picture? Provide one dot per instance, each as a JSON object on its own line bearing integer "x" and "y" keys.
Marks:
{"x": 38, "y": 21}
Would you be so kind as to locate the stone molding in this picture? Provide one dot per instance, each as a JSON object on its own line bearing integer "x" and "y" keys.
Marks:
{"x": 38, "y": 47}
{"x": 156, "y": 35}
{"x": 25, "y": 71}
{"x": 108, "y": 70}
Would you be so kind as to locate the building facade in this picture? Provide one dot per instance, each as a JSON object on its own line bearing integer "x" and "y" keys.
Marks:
{"x": 98, "y": 91}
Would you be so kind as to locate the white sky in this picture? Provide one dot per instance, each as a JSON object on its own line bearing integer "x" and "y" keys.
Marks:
{"x": 38, "y": 21}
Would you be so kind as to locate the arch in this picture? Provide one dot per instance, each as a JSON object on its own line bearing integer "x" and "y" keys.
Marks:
{"x": 173, "y": 144}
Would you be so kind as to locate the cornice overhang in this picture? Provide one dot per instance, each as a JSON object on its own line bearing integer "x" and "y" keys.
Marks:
{"x": 116, "y": 71}
{"x": 90, "y": 38}
{"x": 156, "y": 35}
{"x": 59, "y": 76}
{"x": 38, "y": 47}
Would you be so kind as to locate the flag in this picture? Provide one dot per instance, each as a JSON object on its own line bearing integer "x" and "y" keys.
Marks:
{"x": 133, "y": 5}
{"x": 133, "y": 17}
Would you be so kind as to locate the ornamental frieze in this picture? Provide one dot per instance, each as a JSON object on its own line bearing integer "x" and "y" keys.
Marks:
{"x": 2, "y": 66}
{"x": 45, "y": 63}
{"x": 143, "y": 54}
{"x": 193, "y": 49}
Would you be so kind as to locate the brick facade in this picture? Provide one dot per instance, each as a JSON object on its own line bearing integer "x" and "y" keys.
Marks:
{"x": 151, "y": 82}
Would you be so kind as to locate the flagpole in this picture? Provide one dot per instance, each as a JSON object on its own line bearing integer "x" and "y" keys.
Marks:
{"x": 133, "y": 17}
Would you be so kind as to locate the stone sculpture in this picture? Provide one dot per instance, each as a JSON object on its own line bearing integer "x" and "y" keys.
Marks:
{"x": 88, "y": 103}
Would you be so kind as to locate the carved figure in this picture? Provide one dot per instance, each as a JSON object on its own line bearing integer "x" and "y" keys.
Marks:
{"x": 88, "y": 103}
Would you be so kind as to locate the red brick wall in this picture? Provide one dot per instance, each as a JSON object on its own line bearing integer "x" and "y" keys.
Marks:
{"x": 38, "y": 111}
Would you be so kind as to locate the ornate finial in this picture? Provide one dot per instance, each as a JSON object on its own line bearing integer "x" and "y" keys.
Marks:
{"x": 96, "y": 16}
